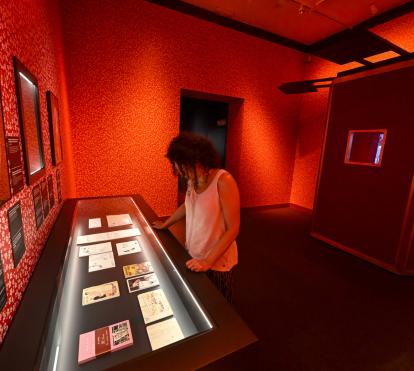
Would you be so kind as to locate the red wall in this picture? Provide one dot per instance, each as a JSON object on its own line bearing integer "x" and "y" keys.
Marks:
{"x": 29, "y": 30}
{"x": 126, "y": 63}
{"x": 311, "y": 124}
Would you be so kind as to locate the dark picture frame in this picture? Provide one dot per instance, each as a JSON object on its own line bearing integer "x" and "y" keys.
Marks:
{"x": 54, "y": 128}
{"x": 27, "y": 92}
{"x": 17, "y": 239}
{"x": 5, "y": 191}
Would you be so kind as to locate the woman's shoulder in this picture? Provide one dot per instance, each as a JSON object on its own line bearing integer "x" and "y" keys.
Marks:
{"x": 225, "y": 178}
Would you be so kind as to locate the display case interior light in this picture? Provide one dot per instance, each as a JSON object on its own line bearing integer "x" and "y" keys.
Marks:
{"x": 365, "y": 147}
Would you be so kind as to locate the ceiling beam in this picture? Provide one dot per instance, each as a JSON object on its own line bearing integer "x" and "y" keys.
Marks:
{"x": 209, "y": 16}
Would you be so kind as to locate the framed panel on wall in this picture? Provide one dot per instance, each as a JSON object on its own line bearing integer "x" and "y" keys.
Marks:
{"x": 3, "y": 292}
{"x": 14, "y": 215}
{"x": 45, "y": 198}
{"x": 16, "y": 173}
{"x": 29, "y": 119}
{"x": 5, "y": 192}
{"x": 37, "y": 203}
{"x": 51, "y": 192}
{"x": 54, "y": 127}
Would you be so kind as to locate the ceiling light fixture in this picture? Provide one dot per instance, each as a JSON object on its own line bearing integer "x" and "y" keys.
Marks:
{"x": 373, "y": 9}
{"x": 312, "y": 9}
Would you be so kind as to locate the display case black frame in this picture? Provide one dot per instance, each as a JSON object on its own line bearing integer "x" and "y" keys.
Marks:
{"x": 228, "y": 334}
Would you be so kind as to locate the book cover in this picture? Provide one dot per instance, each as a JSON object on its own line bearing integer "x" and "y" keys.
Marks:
{"x": 95, "y": 294}
{"x": 104, "y": 340}
{"x": 154, "y": 305}
{"x": 121, "y": 336}
{"x": 142, "y": 282}
{"x": 139, "y": 269}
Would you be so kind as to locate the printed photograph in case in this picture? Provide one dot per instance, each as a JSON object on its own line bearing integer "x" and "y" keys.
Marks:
{"x": 154, "y": 305}
{"x": 94, "y": 223}
{"x": 142, "y": 282}
{"x": 99, "y": 248}
{"x": 95, "y": 294}
{"x": 118, "y": 220}
{"x": 107, "y": 236}
{"x": 102, "y": 261}
{"x": 129, "y": 247}
{"x": 164, "y": 333}
{"x": 138, "y": 269}
{"x": 104, "y": 340}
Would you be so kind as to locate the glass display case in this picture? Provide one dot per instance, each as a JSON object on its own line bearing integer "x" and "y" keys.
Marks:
{"x": 117, "y": 269}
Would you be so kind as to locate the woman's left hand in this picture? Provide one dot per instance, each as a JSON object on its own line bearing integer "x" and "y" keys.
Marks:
{"x": 198, "y": 265}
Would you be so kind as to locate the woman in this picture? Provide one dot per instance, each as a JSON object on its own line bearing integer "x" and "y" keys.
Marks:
{"x": 211, "y": 209}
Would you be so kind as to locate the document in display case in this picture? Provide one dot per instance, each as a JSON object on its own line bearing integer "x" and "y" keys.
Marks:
{"x": 151, "y": 290}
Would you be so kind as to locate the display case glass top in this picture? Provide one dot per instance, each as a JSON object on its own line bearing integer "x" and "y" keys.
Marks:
{"x": 117, "y": 270}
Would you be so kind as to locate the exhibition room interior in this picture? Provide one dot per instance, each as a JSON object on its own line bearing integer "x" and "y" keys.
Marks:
{"x": 309, "y": 105}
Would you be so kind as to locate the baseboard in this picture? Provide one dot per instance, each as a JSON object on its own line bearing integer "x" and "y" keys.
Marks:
{"x": 265, "y": 207}
{"x": 358, "y": 254}
{"x": 301, "y": 208}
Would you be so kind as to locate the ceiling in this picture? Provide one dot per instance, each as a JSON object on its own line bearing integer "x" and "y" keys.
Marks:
{"x": 304, "y": 21}
{"x": 341, "y": 31}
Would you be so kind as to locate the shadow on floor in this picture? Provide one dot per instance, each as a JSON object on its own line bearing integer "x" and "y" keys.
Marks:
{"x": 314, "y": 307}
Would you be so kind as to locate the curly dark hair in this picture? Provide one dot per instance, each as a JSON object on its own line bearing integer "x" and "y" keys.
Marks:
{"x": 187, "y": 149}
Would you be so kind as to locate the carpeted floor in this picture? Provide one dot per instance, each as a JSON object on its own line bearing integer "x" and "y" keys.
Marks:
{"x": 314, "y": 307}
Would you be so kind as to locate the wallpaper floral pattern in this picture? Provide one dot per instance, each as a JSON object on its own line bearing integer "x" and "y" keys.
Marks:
{"x": 27, "y": 33}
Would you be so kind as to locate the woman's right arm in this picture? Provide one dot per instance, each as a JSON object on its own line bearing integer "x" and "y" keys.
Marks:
{"x": 174, "y": 218}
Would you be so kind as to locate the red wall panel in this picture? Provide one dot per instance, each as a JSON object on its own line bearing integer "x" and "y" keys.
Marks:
{"x": 28, "y": 30}
{"x": 126, "y": 63}
{"x": 362, "y": 207}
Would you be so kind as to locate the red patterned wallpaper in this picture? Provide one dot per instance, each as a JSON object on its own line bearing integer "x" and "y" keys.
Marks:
{"x": 126, "y": 63}
{"x": 28, "y": 31}
{"x": 311, "y": 122}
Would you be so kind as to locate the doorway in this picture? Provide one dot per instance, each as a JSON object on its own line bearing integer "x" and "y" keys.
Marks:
{"x": 204, "y": 117}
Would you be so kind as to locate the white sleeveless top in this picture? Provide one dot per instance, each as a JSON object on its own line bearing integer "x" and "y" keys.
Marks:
{"x": 205, "y": 224}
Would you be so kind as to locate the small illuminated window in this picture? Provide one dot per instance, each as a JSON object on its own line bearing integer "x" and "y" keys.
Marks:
{"x": 365, "y": 147}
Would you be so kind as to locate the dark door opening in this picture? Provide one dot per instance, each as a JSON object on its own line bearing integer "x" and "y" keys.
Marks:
{"x": 208, "y": 118}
